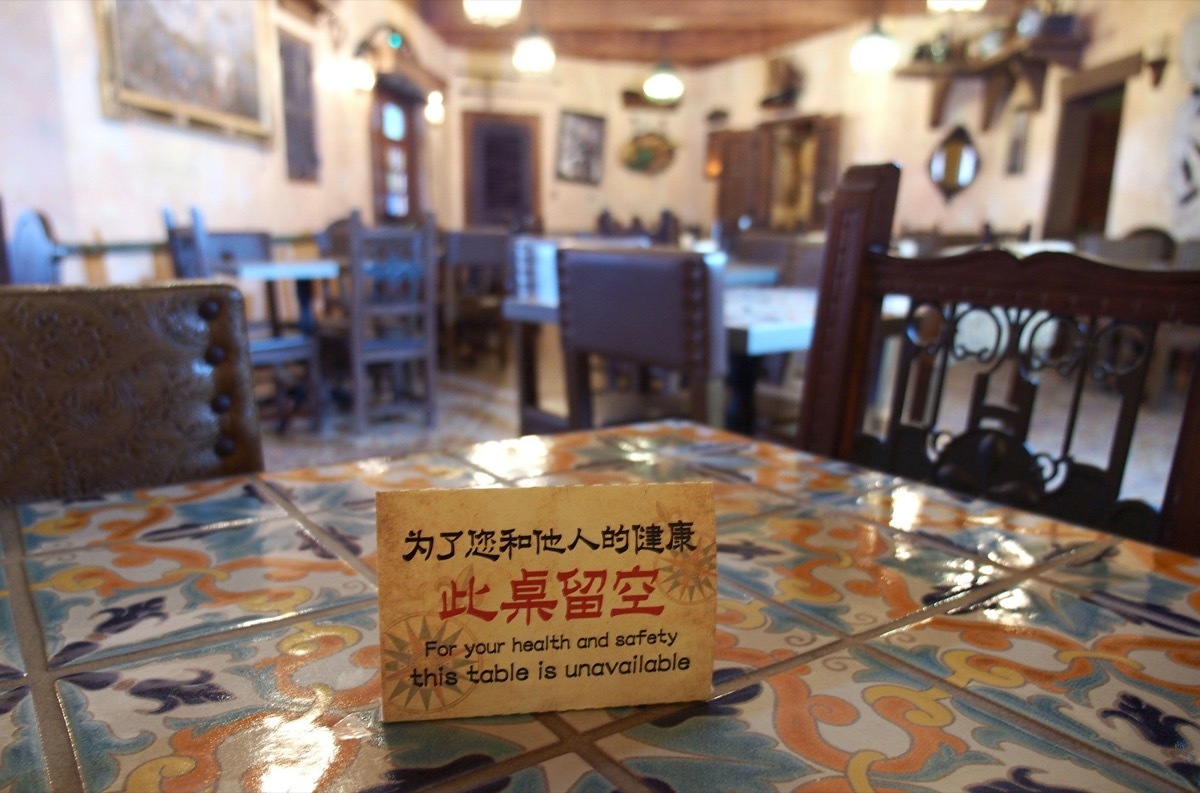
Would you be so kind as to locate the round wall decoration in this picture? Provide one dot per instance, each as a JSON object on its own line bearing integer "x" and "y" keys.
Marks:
{"x": 648, "y": 152}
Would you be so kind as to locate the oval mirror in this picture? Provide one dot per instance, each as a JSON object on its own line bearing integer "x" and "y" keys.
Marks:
{"x": 954, "y": 163}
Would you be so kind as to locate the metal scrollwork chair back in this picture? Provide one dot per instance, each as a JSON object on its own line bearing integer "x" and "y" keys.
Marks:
{"x": 1033, "y": 340}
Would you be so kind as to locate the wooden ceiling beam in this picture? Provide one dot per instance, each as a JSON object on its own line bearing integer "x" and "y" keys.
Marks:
{"x": 686, "y": 32}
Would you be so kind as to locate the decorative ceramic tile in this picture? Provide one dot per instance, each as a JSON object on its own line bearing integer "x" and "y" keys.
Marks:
{"x": 853, "y": 646}
{"x": 795, "y": 474}
{"x": 94, "y": 602}
{"x": 566, "y": 773}
{"x": 851, "y": 720}
{"x": 11, "y": 665}
{"x": 22, "y": 763}
{"x": 293, "y": 708}
{"x": 656, "y": 436}
{"x": 354, "y": 530}
{"x": 1001, "y": 534}
{"x": 353, "y": 485}
{"x": 117, "y": 517}
{"x": 536, "y": 455}
{"x": 618, "y": 472}
{"x": 1128, "y": 687}
{"x": 753, "y": 633}
{"x": 1141, "y": 582}
{"x": 850, "y": 574}
{"x": 731, "y": 500}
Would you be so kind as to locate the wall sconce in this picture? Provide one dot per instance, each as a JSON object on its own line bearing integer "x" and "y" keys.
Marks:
{"x": 362, "y": 67}
{"x": 435, "y": 108}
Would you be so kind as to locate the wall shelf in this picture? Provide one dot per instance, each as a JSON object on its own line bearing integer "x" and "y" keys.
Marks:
{"x": 1019, "y": 60}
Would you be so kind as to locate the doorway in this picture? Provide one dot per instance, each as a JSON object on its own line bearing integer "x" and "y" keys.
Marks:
{"x": 1088, "y": 135}
{"x": 501, "y": 174}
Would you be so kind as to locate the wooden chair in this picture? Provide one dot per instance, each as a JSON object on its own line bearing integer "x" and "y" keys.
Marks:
{"x": 1053, "y": 313}
{"x": 669, "y": 228}
{"x": 474, "y": 280}
{"x": 390, "y": 331}
{"x": 763, "y": 247}
{"x": 648, "y": 308}
{"x": 277, "y": 348}
{"x": 117, "y": 387}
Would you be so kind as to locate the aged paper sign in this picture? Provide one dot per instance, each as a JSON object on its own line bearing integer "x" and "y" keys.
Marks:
{"x": 540, "y": 599}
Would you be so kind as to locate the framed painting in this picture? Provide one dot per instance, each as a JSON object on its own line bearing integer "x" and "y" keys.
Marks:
{"x": 193, "y": 63}
{"x": 580, "y": 148}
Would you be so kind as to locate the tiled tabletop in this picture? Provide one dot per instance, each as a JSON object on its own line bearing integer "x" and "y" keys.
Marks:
{"x": 871, "y": 634}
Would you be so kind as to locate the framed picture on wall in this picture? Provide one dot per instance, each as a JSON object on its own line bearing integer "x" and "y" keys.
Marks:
{"x": 580, "y": 148}
{"x": 193, "y": 63}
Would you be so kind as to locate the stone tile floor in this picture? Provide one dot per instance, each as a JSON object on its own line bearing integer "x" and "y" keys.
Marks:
{"x": 478, "y": 403}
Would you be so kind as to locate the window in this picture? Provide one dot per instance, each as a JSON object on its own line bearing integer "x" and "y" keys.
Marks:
{"x": 299, "y": 109}
{"x": 394, "y": 153}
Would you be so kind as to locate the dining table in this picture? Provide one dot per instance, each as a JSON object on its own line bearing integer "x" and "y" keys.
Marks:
{"x": 758, "y": 321}
{"x": 871, "y": 633}
{"x": 302, "y": 271}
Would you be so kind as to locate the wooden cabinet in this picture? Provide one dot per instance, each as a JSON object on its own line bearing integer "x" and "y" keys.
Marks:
{"x": 779, "y": 175}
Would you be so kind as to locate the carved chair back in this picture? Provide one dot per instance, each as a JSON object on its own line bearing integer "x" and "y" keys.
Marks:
{"x": 390, "y": 332}
{"x": 1019, "y": 331}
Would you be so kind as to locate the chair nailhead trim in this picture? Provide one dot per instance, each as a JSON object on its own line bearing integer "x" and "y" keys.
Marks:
{"x": 210, "y": 309}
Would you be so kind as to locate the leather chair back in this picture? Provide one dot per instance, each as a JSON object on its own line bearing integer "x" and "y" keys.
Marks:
{"x": 118, "y": 387}
{"x": 648, "y": 307}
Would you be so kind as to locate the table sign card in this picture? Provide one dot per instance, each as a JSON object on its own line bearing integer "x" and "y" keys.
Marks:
{"x": 523, "y": 600}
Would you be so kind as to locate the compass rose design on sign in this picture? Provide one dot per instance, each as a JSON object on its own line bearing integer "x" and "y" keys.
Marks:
{"x": 685, "y": 574}
{"x": 421, "y": 680}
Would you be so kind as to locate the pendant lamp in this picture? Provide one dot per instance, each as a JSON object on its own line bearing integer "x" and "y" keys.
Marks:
{"x": 533, "y": 53}
{"x": 493, "y": 13}
{"x": 875, "y": 51}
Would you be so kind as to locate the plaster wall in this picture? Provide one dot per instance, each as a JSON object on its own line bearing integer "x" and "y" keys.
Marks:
{"x": 885, "y": 117}
{"x": 107, "y": 180}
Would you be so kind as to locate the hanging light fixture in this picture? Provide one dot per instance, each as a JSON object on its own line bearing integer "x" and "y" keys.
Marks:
{"x": 875, "y": 51}
{"x": 663, "y": 85}
{"x": 493, "y": 13}
{"x": 954, "y": 6}
{"x": 533, "y": 53}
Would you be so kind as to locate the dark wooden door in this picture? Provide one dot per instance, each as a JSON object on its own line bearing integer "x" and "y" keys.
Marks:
{"x": 743, "y": 193}
{"x": 500, "y": 157}
{"x": 1088, "y": 135}
{"x": 1100, "y": 151}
